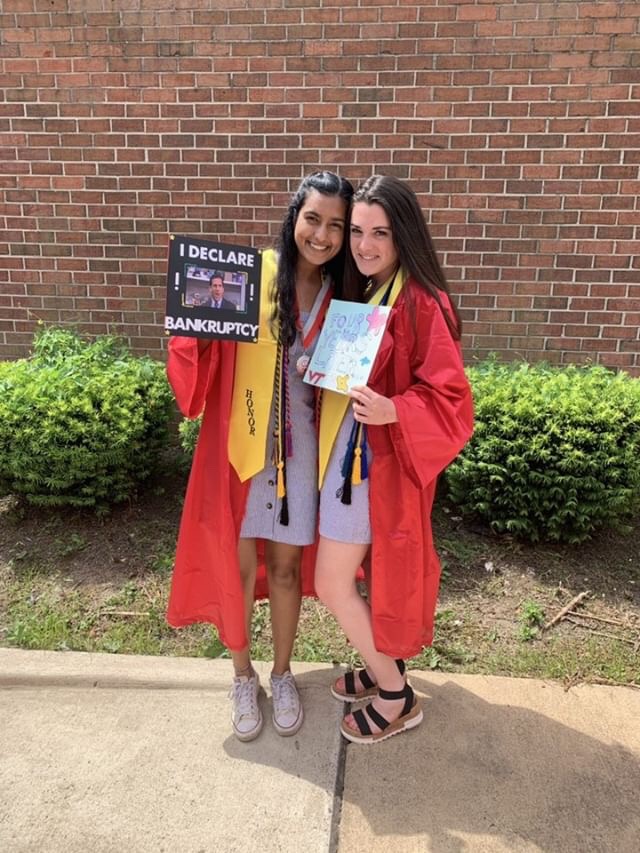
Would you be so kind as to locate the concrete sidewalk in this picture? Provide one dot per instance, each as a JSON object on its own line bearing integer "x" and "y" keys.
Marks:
{"x": 110, "y": 753}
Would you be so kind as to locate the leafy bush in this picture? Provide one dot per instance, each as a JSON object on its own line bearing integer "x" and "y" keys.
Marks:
{"x": 80, "y": 423}
{"x": 556, "y": 451}
{"x": 189, "y": 431}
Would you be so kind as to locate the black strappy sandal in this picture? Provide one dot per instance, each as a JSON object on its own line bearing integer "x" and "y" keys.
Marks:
{"x": 410, "y": 717}
{"x": 370, "y": 687}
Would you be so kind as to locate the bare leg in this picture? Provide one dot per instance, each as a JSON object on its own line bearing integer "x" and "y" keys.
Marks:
{"x": 336, "y": 568}
{"x": 283, "y": 573}
{"x": 248, "y": 560}
{"x": 366, "y": 565}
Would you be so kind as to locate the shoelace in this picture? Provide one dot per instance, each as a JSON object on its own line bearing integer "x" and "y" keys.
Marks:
{"x": 285, "y": 695}
{"x": 244, "y": 697}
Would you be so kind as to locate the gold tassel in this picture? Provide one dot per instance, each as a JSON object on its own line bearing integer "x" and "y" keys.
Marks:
{"x": 281, "y": 489}
{"x": 356, "y": 477}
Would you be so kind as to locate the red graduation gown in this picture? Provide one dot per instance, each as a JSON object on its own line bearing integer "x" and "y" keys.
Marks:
{"x": 419, "y": 366}
{"x": 206, "y": 584}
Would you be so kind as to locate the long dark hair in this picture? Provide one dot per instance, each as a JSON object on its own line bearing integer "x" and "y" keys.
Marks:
{"x": 284, "y": 317}
{"x": 412, "y": 240}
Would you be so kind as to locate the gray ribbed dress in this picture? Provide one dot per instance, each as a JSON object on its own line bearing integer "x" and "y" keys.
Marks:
{"x": 263, "y": 505}
{"x": 344, "y": 522}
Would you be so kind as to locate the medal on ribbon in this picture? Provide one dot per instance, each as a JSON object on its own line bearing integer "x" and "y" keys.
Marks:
{"x": 302, "y": 363}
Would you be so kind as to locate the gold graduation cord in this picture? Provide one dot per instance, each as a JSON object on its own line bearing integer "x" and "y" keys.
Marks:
{"x": 334, "y": 405}
{"x": 253, "y": 385}
{"x": 356, "y": 472}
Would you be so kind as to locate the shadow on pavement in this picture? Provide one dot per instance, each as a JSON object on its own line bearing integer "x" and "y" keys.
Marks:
{"x": 480, "y": 770}
{"x": 484, "y": 772}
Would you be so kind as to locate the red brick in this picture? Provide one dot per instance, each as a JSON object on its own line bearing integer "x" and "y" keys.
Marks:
{"x": 513, "y": 148}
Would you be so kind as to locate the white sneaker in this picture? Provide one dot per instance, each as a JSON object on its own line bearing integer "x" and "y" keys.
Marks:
{"x": 246, "y": 716}
{"x": 287, "y": 708}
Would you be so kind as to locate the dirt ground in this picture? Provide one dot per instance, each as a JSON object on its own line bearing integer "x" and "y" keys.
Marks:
{"x": 71, "y": 580}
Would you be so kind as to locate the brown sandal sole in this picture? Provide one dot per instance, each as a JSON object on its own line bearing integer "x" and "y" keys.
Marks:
{"x": 402, "y": 724}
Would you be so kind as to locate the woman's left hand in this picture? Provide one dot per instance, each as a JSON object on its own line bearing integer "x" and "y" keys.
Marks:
{"x": 372, "y": 408}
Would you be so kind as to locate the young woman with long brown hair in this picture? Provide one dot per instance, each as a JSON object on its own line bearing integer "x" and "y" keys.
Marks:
{"x": 380, "y": 455}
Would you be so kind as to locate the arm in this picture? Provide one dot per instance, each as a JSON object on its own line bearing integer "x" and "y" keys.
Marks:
{"x": 431, "y": 421}
{"x": 191, "y": 367}
{"x": 435, "y": 413}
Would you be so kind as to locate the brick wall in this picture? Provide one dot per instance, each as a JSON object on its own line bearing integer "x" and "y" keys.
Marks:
{"x": 518, "y": 123}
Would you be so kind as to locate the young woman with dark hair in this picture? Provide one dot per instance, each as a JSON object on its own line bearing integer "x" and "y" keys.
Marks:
{"x": 251, "y": 503}
{"x": 404, "y": 428}
{"x": 285, "y": 315}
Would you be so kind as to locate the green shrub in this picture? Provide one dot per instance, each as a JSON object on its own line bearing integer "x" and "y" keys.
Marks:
{"x": 189, "y": 431}
{"x": 80, "y": 423}
{"x": 556, "y": 451}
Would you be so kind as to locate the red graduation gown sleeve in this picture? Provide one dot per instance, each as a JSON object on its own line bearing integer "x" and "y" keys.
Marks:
{"x": 206, "y": 585}
{"x": 419, "y": 366}
{"x": 191, "y": 373}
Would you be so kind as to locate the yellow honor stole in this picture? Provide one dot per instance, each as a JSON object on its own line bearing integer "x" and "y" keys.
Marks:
{"x": 333, "y": 406}
{"x": 253, "y": 385}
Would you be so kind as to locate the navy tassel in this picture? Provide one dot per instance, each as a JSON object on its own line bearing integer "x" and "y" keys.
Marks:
{"x": 364, "y": 464}
{"x": 347, "y": 465}
{"x": 347, "y": 462}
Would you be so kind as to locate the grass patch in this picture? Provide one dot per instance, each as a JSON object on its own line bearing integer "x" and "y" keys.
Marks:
{"x": 531, "y": 619}
{"x": 585, "y": 661}
{"x": 46, "y": 612}
{"x": 72, "y": 582}
{"x": 43, "y": 613}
